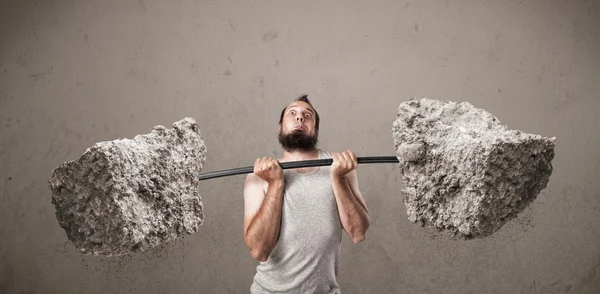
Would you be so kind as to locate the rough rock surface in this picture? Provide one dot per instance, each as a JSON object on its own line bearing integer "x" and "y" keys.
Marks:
{"x": 463, "y": 171}
{"x": 129, "y": 195}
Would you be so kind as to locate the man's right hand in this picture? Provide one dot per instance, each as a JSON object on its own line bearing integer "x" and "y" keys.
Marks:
{"x": 268, "y": 169}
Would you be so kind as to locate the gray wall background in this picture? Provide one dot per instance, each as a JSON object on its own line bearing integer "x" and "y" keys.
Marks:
{"x": 73, "y": 73}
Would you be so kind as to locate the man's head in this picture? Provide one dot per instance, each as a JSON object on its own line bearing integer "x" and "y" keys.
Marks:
{"x": 299, "y": 126}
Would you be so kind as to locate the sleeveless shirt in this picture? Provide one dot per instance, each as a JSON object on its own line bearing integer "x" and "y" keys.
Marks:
{"x": 306, "y": 256}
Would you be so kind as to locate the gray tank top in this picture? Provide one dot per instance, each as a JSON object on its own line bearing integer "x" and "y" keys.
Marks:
{"x": 306, "y": 256}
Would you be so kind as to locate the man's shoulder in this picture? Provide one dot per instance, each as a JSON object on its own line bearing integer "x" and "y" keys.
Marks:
{"x": 326, "y": 153}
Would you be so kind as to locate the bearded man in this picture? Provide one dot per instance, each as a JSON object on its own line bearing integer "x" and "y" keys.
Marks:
{"x": 294, "y": 219}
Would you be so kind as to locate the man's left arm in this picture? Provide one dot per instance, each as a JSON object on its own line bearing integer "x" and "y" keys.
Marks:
{"x": 352, "y": 208}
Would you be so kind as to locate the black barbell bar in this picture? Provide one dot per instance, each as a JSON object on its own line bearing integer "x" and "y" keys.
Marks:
{"x": 296, "y": 164}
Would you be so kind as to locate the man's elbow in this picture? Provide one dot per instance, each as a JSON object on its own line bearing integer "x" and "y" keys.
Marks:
{"x": 358, "y": 239}
{"x": 359, "y": 236}
{"x": 259, "y": 255}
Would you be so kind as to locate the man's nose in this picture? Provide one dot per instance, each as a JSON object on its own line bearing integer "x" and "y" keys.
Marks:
{"x": 300, "y": 118}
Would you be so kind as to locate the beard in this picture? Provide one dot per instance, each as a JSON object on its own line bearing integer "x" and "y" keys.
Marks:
{"x": 298, "y": 140}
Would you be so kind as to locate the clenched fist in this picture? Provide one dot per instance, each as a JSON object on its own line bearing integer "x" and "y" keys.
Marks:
{"x": 343, "y": 163}
{"x": 268, "y": 169}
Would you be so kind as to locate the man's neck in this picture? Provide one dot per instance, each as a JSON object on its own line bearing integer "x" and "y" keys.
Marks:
{"x": 299, "y": 155}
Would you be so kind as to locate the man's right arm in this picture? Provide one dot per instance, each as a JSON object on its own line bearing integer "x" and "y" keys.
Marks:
{"x": 262, "y": 215}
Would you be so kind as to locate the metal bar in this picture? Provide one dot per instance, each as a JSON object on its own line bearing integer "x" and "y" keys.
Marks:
{"x": 296, "y": 164}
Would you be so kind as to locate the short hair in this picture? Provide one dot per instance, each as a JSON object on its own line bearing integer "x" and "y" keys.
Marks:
{"x": 303, "y": 98}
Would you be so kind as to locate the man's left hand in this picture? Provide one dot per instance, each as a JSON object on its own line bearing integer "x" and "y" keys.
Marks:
{"x": 343, "y": 163}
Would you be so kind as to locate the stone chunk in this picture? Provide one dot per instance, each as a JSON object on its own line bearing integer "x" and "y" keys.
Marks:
{"x": 463, "y": 171}
{"x": 125, "y": 196}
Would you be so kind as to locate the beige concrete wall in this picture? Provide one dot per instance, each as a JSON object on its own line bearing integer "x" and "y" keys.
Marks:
{"x": 73, "y": 73}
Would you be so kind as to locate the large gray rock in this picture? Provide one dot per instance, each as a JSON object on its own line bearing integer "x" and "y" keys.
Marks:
{"x": 126, "y": 196}
{"x": 463, "y": 171}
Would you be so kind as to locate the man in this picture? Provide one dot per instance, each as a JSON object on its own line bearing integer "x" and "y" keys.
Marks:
{"x": 294, "y": 218}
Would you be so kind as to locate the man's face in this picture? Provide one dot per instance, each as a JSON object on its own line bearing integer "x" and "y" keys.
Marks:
{"x": 297, "y": 130}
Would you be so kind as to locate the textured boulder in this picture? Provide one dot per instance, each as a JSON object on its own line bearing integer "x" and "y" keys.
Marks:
{"x": 463, "y": 171}
{"x": 126, "y": 196}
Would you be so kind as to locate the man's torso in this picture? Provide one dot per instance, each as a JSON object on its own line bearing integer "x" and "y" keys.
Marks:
{"x": 306, "y": 256}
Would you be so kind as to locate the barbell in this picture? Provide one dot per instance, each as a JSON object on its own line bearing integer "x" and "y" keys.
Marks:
{"x": 463, "y": 172}
{"x": 295, "y": 164}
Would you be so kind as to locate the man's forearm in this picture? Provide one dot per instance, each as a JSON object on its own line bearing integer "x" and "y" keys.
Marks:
{"x": 353, "y": 215}
{"x": 263, "y": 231}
